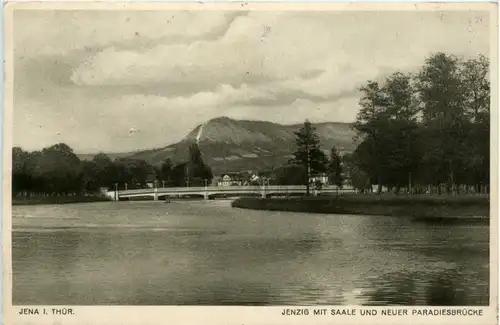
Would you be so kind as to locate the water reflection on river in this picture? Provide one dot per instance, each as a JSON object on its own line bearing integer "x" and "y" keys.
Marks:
{"x": 150, "y": 253}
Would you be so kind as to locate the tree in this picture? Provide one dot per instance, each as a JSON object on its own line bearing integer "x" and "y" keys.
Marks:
{"x": 355, "y": 175}
{"x": 106, "y": 173}
{"x": 423, "y": 129}
{"x": 403, "y": 137}
{"x": 133, "y": 172}
{"x": 21, "y": 176}
{"x": 476, "y": 86}
{"x": 335, "y": 168}
{"x": 369, "y": 124}
{"x": 56, "y": 170}
{"x": 291, "y": 174}
{"x": 90, "y": 181}
{"x": 60, "y": 169}
{"x": 444, "y": 116}
{"x": 178, "y": 175}
{"x": 166, "y": 171}
{"x": 308, "y": 153}
{"x": 387, "y": 125}
{"x": 400, "y": 98}
{"x": 196, "y": 170}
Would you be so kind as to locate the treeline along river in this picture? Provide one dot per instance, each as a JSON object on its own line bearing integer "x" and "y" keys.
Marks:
{"x": 205, "y": 252}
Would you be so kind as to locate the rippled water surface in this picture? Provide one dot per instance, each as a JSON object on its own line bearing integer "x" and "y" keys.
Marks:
{"x": 205, "y": 252}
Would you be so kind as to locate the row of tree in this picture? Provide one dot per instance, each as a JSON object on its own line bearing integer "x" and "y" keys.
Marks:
{"x": 57, "y": 170}
{"x": 423, "y": 131}
{"x": 427, "y": 129}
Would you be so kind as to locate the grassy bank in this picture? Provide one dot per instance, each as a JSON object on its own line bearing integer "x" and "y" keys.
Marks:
{"x": 419, "y": 207}
{"x": 57, "y": 200}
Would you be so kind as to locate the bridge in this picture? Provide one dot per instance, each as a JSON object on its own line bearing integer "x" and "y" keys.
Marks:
{"x": 210, "y": 191}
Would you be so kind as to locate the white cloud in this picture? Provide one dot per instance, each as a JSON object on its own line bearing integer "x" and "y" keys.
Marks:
{"x": 283, "y": 47}
{"x": 297, "y": 64}
{"x": 88, "y": 28}
{"x": 266, "y": 45}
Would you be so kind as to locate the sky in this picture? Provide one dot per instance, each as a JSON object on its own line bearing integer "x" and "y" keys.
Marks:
{"x": 119, "y": 81}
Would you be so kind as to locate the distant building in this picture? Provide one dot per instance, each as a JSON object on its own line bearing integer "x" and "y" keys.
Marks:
{"x": 230, "y": 179}
{"x": 253, "y": 179}
{"x": 323, "y": 178}
{"x": 244, "y": 178}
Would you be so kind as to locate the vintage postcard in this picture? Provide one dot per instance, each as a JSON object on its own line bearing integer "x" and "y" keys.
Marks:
{"x": 250, "y": 163}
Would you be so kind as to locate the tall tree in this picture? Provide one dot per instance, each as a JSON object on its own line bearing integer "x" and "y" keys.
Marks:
{"x": 133, "y": 172}
{"x": 90, "y": 177}
{"x": 21, "y": 176}
{"x": 476, "y": 86}
{"x": 105, "y": 171}
{"x": 369, "y": 124}
{"x": 335, "y": 175}
{"x": 60, "y": 169}
{"x": 166, "y": 171}
{"x": 197, "y": 172}
{"x": 402, "y": 137}
{"x": 291, "y": 174}
{"x": 356, "y": 176}
{"x": 423, "y": 129}
{"x": 444, "y": 116}
{"x": 308, "y": 153}
{"x": 178, "y": 175}
{"x": 387, "y": 125}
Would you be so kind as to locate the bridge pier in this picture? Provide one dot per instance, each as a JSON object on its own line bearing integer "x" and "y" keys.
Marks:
{"x": 205, "y": 196}
{"x": 155, "y": 197}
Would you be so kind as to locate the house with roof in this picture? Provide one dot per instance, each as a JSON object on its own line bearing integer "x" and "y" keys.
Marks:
{"x": 322, "y": 178}
{"x": 230, "y": 179}
{"x": 253, "y": 179}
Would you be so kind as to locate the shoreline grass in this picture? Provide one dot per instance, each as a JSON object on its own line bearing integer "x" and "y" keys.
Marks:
{"x": 418, "y": 207}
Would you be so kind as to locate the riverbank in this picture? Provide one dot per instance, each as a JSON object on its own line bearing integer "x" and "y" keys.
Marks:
{"x": 421, "y": 207}
{"x": 57, "y": 200}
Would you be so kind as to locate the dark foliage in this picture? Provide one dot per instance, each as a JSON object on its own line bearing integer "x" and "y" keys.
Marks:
{"x": 427, "y": 132}
{"x": 57, "y": 171}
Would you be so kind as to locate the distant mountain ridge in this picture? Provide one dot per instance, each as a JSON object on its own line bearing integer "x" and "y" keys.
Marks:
{"x": 235, "y": 145}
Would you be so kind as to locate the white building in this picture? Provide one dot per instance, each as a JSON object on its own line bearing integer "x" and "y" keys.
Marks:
{"x": 323, "y": 178}
{"x": 230, "y": 179}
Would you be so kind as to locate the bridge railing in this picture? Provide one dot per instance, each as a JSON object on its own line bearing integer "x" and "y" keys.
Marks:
{"x": 201, "y": 189}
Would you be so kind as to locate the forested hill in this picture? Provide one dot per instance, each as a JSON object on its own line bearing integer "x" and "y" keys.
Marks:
{"x": 234, "y": 145}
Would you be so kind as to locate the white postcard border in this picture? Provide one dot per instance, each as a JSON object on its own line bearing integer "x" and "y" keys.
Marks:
{"x": 237, "y": 315}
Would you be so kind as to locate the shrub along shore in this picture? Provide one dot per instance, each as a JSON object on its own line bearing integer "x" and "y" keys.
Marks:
{"x": 36, "y": 200}
{"x": 421, "y": 207}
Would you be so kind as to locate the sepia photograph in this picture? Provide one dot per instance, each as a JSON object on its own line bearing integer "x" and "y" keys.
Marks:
{"x": 241, "y": 157}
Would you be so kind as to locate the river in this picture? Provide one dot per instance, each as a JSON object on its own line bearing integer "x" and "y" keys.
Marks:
{"x": 207, "y": 253}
